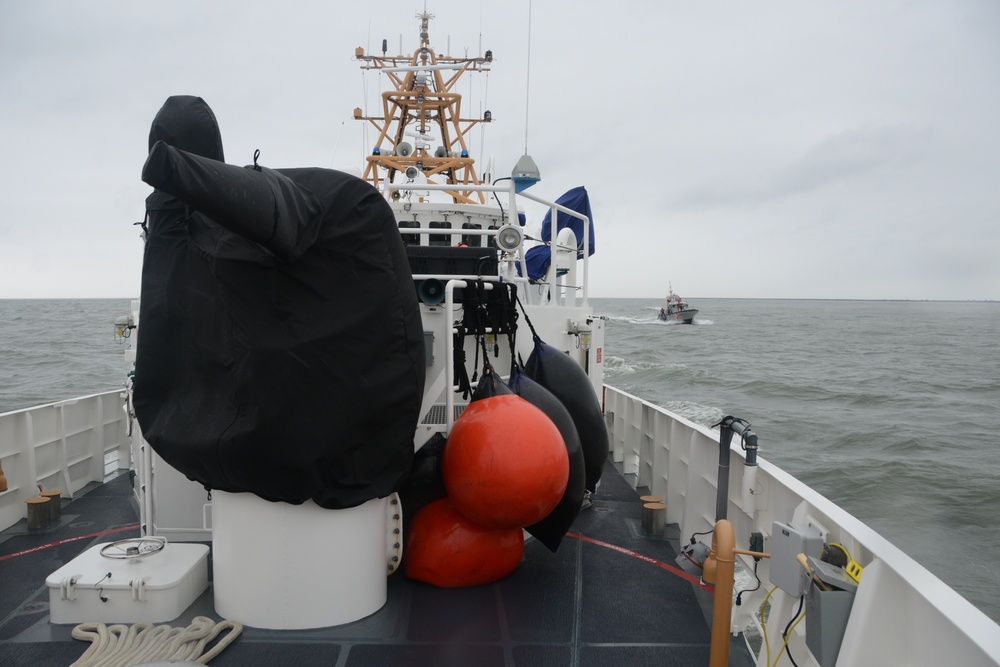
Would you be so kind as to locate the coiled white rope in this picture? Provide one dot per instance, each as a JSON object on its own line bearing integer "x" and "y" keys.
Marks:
{"x": 124, "y": 645}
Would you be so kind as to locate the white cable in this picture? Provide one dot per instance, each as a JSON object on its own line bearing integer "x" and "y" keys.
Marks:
{"x": 124, "y": 645}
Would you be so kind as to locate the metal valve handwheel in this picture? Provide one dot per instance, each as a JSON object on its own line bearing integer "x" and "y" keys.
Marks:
{"x": 134, "y": 547}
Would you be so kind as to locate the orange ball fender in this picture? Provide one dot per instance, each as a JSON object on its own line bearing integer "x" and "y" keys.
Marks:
{"x": 505, "y": 464}
{"x": 445, "y": 549}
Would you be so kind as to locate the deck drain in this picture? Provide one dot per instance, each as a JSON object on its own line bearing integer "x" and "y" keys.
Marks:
{"x": 81, "y": 524}
{"x": 33, "y": 607}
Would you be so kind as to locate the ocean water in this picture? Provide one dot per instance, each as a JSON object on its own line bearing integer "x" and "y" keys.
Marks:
{"x": 51, "y": 349}
{"x": 890, "y": 409}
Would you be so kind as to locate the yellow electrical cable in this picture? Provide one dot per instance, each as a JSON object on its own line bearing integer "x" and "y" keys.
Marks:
{"x": 763, "y": 626}
{"x": 787, "y": 635}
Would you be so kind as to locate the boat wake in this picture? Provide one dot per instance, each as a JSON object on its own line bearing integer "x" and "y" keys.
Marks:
{"x": 618, "y": 366}
{"x": 627, "y": 319}
{"x": 695, "y": 322}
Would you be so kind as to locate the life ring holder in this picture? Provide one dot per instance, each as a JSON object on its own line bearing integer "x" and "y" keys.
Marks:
{"x": 134, "y": 547}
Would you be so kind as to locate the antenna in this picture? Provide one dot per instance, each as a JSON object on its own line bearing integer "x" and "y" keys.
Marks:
{"x": 525, "y": 173}
{"x": 526, "y": 82}
{"x": 364, "y": 130}
{"x": 333, "y": 160}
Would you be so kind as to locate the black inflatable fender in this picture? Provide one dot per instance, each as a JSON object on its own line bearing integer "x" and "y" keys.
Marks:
{"x": 490, "y": 385}
{"x": 550, "y": 530}
{"x": 567, "y": 381}
{"x": 424, "y": 483}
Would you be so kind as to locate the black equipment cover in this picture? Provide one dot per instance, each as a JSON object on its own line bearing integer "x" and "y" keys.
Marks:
{"x": 280, "y": 347}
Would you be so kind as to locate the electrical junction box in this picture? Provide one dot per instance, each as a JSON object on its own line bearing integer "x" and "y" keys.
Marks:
{"x": 787, "y": 542}
{"x": 151, "y": 588}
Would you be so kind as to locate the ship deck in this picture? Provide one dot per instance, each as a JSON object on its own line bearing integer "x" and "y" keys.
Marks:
{"x": 609, "y": 596}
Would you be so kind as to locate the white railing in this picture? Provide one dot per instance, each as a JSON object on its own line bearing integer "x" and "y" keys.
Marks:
{"x": 902, "y": 614}
{"x": 579, "y": 291}
{"x": 64, "y": 445}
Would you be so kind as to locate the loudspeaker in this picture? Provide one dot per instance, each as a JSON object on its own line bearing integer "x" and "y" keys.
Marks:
{"x": 430, "y": 291}
{"x": 404, "y": 149}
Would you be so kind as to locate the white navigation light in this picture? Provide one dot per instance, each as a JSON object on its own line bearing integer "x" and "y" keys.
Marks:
{"x": 509, "y": 238}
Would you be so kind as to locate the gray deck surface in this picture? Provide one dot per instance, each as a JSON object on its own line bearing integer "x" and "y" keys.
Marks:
{"x": 585, "y": 605}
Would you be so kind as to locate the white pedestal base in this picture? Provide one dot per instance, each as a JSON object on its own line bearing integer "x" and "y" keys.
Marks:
{"x": 282, "y": 566}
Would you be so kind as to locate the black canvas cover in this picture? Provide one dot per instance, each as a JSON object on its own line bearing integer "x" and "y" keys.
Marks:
{"x": 280, "y": 347}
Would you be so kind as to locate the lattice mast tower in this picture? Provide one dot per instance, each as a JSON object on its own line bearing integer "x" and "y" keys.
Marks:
{"x": 421, "y": 124}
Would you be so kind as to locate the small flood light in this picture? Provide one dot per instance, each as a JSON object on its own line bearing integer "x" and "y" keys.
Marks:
{"x": 509, "y": 238}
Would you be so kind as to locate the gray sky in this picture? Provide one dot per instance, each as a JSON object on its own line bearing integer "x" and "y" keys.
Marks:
{"x": 736, "y": 149}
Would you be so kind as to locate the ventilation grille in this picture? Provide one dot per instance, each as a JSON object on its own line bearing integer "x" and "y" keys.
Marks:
{"x": 437, "y": 413}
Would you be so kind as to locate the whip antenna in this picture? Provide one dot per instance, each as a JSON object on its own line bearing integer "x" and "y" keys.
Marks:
{"x": 527, "y": 79}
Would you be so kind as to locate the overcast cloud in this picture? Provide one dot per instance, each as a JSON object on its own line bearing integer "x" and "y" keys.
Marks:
{"x": 769, "y": 149}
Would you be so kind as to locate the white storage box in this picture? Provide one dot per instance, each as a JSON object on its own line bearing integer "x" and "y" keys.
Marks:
{"x": 150, "y": 588}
